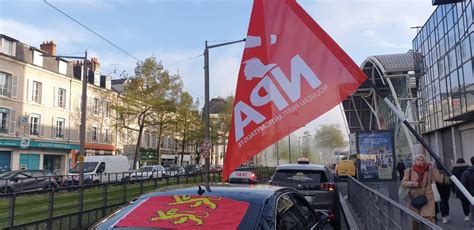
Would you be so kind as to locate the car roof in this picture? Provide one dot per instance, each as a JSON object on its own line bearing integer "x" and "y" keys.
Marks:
{"x": 256, "y": 194}
{"x": 301, "y": 167}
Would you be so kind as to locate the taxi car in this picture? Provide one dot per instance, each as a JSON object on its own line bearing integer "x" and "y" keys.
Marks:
{"x": 218, "y": 207}
{"x": 317, "y": 185}
{"x": 242, "y": 177}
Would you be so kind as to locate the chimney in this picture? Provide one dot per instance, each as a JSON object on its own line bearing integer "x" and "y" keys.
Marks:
{"x": 95, "y": 64}
{"x": 49, "y": 47}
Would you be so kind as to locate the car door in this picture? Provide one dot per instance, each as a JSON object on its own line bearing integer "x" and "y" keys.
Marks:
{"x": 23, "y": 181}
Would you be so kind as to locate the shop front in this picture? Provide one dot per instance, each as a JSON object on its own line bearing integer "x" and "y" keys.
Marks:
{"x": 30, "y": 155}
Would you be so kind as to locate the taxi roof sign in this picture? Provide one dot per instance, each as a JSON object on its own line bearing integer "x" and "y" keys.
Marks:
{"x": 303, "y": 160}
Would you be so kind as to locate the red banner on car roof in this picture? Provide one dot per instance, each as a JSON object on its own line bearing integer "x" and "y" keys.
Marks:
{"x": 186, "y": 212}
{"x": 291, "y": 73}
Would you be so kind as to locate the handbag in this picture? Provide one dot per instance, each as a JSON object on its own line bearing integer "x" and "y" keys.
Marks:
{"x": 437, "y": 197}
{"x": 421, "y": 200}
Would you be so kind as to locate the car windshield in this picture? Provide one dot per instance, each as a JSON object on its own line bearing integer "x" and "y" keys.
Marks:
{"x": 9, "y": 175}
{"x": 88, "y": 167}
{"x": 300, "y": 176}
{"x": 146, "y": 169}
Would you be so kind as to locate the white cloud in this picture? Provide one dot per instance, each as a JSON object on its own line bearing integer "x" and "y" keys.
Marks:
{"x": 64, "y": 36}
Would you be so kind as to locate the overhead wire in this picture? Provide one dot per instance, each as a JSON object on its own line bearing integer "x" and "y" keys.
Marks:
{"x": 119, "y": 48}
{"x": 92, "y": 31}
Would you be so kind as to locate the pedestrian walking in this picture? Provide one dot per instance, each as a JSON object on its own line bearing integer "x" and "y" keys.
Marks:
{"x": 444, "y": 189}
{"x": 418, "y": 180}
{"x": 468, "y": 181}
{"x": 401, "y": 168}
{"x": 458, "y": 170}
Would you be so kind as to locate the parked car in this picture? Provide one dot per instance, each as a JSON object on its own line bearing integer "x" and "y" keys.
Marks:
{"x": 23, "y": 180}
{"x": 317, "y": 185}
{"x": 174, "y": 170}
{"x": 149, "y": 172}
{"x": 192, "y": 169}
{"x": 216, "y": 207}
{"x": 99, "y": 169}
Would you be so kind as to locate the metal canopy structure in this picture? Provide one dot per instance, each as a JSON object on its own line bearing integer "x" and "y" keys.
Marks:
{"x": 395, "y": 77}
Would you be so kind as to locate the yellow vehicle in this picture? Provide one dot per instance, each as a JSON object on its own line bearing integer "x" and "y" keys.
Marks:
{"x": 345, "y": 168}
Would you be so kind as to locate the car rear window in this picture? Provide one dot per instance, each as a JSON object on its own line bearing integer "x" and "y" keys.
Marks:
{"x": 300, "y": 176}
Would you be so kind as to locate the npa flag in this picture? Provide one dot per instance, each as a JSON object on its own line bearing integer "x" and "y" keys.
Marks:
{"x": 185, "y": 212}
{"x": 291, "y": 73}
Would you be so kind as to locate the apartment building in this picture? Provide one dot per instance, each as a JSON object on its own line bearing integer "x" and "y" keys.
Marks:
{"x": 40, "y": 98}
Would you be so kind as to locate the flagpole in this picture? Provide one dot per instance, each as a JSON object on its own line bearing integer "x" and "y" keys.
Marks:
{"x": 402, "y": 118}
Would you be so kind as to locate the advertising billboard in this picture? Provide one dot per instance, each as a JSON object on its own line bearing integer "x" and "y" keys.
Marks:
{"x": 376, "y": 156}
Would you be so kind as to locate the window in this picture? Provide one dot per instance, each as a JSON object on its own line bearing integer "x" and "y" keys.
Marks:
{"x": 3, "y": 120}
{"x": 60, "y": 128}
{"x": 37, "y": 58}
{"x": 62, "y": 67}
{"x": 107, "y": 109}
{"x": 309, "y": 219}
{"x": 37, "y": 88}
{"x": 35, "y": 121}
{"x": 288, "y": 215}
{"x": 61, "y": 98}
{"x": 147, "y": 140}
{"x": 8, "y": 85}
{"x": 96, "y": 106}
{"x": 94, "y": 133}
{"x": 8, "y": 47}
{"x": 5, "y": 84}
{"x": 106, "y": 135}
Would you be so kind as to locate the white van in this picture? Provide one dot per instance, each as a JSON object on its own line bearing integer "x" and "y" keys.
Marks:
{"x": 99, "y": 169}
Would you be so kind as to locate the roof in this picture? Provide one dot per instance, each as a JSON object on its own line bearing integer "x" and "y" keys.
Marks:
{"x": 393, "y": 62}
{"x": 216, "y": 105}
{"x": 301, "y": 167}
{"x": 256, "y": 194}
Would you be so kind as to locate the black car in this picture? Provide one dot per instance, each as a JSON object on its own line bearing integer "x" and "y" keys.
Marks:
{"x": 219, "y": 207}
{"x": 23, "y": 180}
{"x": 317, "y": 185}
{"x": 192, "y": 169}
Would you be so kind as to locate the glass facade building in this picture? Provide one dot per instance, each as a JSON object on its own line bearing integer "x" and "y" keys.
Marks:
{"x": 443, "y": 51}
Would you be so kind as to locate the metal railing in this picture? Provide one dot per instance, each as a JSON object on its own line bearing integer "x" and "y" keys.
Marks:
{"x": 376, "y": 211}
{"x": 78, "y": 207}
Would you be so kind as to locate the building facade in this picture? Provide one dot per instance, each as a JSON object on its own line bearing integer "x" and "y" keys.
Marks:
{"x": 444, "y": 57}
{"x": 40, "y": 98}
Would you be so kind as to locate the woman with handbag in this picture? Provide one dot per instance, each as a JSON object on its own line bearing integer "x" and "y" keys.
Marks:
{"x": 418, "y": 180}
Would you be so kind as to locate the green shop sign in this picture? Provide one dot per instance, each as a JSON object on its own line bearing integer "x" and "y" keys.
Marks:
{"x": 148, "y": 156}
{"x": 37, "y": 144}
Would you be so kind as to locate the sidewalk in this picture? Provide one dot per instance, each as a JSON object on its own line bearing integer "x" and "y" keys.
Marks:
{"x": 456, "y": 216}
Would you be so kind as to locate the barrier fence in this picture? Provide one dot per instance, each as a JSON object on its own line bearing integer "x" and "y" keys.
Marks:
{"x": 78, "y": 207}
{"x": 376, "y": 211}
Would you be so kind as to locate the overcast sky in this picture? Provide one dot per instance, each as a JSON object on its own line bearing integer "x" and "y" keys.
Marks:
{"x": 174, "y": 32}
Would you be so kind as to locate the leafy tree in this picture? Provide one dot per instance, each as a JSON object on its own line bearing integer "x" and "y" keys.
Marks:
{"x": 330, "y": 137}
{"x": 183, "y": 119}
{"x": 146, "y": 97}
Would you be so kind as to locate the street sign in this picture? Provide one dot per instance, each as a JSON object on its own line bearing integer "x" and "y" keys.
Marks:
{"x": 25, "y": 143}
{"x": 206, "y": 148}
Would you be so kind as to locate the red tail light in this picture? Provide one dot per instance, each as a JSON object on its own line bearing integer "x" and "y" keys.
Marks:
{"x": 253, "y": 176}
{"x": 328, "y": 186}
{"x": 332, "y": 215}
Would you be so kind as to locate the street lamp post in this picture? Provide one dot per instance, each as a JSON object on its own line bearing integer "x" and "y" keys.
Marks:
{"x": 206, "y": 95}
{"x": 82, "y": 134}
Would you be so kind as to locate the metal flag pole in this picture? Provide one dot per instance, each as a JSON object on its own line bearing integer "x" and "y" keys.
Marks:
{"x": 402, "y": 118}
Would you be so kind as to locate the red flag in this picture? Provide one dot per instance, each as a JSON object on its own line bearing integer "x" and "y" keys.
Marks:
{"x": 291, "y": 73}
{"x": 186, "y": 212}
